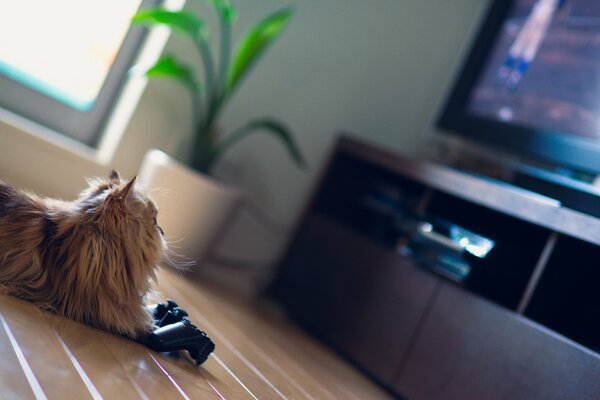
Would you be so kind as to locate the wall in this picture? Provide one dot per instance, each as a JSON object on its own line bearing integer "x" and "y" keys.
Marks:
{"x": 376, "y": 68}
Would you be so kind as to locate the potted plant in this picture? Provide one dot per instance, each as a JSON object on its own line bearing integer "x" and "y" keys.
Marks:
{"x": 195, "y": 207}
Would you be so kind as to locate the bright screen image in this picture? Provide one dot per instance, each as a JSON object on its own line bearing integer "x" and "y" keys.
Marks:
{"x": 544, "y": 69}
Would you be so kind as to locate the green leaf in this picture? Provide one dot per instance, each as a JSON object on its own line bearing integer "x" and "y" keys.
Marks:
{"x": 254, "y": 43}
{"x": 225, "y": 9}
{"x": 270, "y": 126}
{"x": 179, "y": 21}
{"x": 229, "y": 14}
{"x": 169, "y": 67}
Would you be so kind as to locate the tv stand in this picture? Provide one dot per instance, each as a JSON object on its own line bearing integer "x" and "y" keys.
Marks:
{"x": 571, "y": 188}
{"x": 574, "y": 194}
{"x": 522, "y": 324}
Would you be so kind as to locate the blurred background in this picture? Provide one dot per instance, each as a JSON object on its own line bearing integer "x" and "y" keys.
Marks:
{"x": 377, "y": 69}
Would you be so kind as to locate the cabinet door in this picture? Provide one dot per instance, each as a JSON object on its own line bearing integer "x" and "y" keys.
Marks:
{"x": 470, "y": 348}
{"x": 361, "y": 298}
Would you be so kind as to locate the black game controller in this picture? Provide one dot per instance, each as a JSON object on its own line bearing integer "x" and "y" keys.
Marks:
{"x": 167, "y": 313}
{"x": 175, "y": 332}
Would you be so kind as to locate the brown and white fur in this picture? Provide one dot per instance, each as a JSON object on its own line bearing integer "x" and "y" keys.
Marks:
{"x": 91, "y": 260}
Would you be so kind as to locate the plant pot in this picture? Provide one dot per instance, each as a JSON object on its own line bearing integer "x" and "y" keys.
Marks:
{"x": 194, "y": 209}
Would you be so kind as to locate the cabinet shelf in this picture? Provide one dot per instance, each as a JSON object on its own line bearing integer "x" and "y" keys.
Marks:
{"x": 503, "y": 276}
{"x": 567, "y": 298}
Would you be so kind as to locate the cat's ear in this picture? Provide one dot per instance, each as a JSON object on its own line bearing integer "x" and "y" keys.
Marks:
{"x": 127, "y": 189}
{"x": 114, "y": 177}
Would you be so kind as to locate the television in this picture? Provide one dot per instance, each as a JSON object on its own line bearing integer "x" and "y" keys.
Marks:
{"x": 531, "y": 83}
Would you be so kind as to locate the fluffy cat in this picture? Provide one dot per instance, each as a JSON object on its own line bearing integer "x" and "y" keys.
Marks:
{"x": 91, "y": 260}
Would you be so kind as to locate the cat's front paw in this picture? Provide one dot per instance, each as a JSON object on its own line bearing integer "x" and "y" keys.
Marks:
{"x": 137, "y": 325}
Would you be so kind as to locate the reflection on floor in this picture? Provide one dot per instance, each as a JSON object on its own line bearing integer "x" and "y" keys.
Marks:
{"x": 259, "y": 356}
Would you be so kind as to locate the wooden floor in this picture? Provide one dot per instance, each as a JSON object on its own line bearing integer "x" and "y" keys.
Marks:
{"x": 259, "y": 355}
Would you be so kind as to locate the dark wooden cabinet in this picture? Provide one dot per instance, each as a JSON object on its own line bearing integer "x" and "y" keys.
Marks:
{"x": 352, "y": 293}
{"x": 470, "y": 348}
{"x": 521, "y": 322}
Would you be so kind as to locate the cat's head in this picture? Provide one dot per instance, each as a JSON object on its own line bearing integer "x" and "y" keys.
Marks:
{"x": 120, "y": 210}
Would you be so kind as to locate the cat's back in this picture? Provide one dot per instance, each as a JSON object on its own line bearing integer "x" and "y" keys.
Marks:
{"x": 15, "y": 203}
{"x": 24, "y": 227}
{"x": 23, "y": 224}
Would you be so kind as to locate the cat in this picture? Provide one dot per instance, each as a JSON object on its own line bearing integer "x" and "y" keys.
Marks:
{"x": 91, "y": 260}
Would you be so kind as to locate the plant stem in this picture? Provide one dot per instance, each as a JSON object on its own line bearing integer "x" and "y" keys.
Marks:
{"x": 229, "y": 140}
{"x": 196, "y": 109}
{"x": 209, "y": 70}
{"x": 225, "y": 53}
{"x": 203, "y": 143}
{"x": 203, "y": 150}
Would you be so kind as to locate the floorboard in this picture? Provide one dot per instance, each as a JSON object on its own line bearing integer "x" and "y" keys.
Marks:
{"x": 259, "y": 355}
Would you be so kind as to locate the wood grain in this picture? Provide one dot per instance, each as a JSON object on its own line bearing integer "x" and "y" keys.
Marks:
{"x": 258, "y": 356}
{"x": 271, "y": 341}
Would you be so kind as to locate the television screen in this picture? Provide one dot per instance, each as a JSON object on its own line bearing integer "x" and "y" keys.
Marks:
{"x": 544, "y": 69}
{"x": 532, "y": 81}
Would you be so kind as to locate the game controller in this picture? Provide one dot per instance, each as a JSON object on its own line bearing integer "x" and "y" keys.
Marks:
{"x": 175, "y": 332}
{"x": 167, "y": 313}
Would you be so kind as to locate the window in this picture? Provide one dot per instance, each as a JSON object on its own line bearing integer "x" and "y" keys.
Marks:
{"x": 62, "y": 62}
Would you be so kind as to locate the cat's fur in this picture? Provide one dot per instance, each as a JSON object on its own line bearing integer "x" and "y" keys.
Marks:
{"x": 91, "y": 260}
